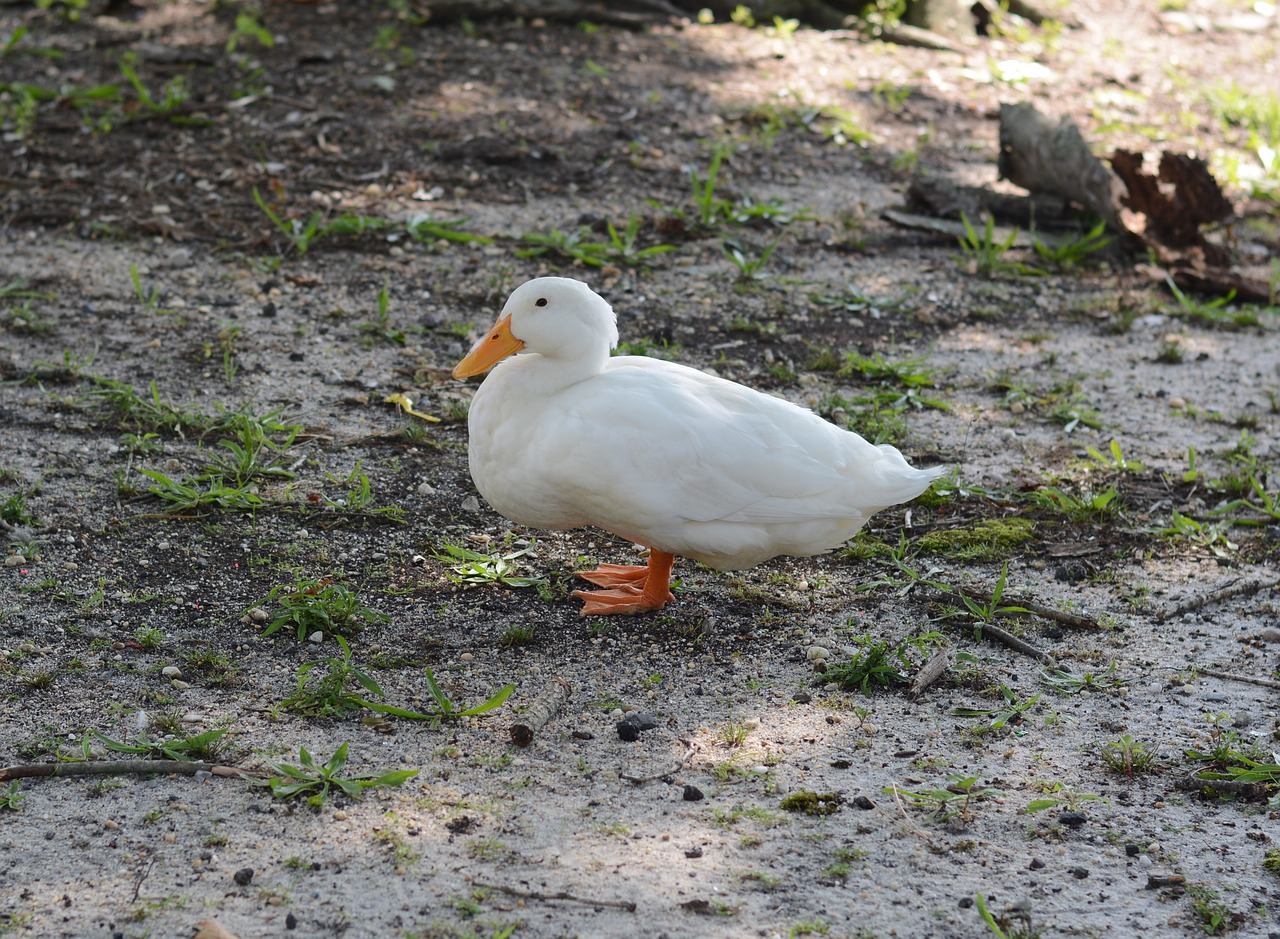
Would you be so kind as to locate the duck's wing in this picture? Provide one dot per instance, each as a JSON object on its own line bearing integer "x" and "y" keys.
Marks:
{"x": 651, "y": 443}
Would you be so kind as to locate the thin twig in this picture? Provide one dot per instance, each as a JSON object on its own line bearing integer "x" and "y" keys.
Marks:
{"x": 930, "y": 672}
{"x": 1231, "y": 676}
{"x": 544, "y": 707}
{"x": 118, "y": 768}
{"x": 627, "y": 905}
{"x": 680, "y": 764}
{"x": 1233, "y": 589}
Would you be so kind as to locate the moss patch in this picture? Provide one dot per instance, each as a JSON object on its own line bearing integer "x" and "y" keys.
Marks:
{"x": 989, "y": 540}
{"x": 813, "y": 803}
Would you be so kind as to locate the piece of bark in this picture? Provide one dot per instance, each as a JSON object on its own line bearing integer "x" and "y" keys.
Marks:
{"x": 1042, "y": 155}
{"x": 1169, "y": 208}
{"x": 544, "y": 707}
{"x": 930, "y": 672}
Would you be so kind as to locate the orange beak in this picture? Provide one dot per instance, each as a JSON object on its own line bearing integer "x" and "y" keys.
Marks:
{"x": 490, "y": 350}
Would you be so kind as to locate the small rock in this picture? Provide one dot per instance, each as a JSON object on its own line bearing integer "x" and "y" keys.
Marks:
{"x": 179, "y": 684}
{"x": 1177, "y": 403}
{"x": 751, "y": 723}
{"x": 818, "y": 654}
{"x": 645, "y": 721}
{"x": 1270, "y": 634}
{"x": 628, "y": 729}
{"x": 15, "y": 560}
{"x": 1132, "y": 850}
{"x": 243, "y": 877}
{"x": 110, "y": 825}
{"x": 695, "y": 851}
{"x": 802, "y": 697}
{"x": 841, "y": 762}
{"x": 693, "y": 794}
{"x": 1036, "y": 864}
{"x": 862, "y": 802}
{"x": 1073, "y": 819}
{"x": 258, "y": 615}
{"x": 316, "y": 637}
{"x": 466, "y": 657}
{"x": 583, "y": 735}
{"x": 291, "y": 922}
{"x": 471, "y": 504}
{"x": 171, "y": 671}
{"x": 1080, "y": 873}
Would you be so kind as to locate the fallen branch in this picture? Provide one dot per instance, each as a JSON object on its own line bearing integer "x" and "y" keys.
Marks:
{"x": 995, "y": 632}
{"x": 119, "y": 768}
{"x": 544, "y": 707}
{"x": 1230, "y": 676}
{"x": 1233, "y": 589}
{"x": 1013, "y": 642}
{"x": 627, "y": 905}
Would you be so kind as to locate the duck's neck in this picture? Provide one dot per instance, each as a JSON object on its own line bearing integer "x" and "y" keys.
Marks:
{"x": 542, "y": 374}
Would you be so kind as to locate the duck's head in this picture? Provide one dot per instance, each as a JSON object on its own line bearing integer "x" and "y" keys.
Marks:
{"x": 556, "y": 317}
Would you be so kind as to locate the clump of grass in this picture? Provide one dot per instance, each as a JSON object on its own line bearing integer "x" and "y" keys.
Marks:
{"x": 1128, "y": 757}
{"x": 310, "y": 605}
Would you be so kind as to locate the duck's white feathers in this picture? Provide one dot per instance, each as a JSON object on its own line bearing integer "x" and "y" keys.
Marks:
{"x": 675, "y": 459}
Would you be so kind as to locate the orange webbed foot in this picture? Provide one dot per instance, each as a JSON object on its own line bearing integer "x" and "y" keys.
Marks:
{"x": 632, "y": 589}
{"x": 616, "y": 575}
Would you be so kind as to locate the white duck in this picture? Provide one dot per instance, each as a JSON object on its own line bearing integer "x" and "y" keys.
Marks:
{"x": 564, "y": 435}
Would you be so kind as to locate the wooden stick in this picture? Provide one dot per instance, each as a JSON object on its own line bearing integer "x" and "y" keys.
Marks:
{"x": 627, "y": 905}
{"x": 1231, "y": 676}
{"x": 544, "y": 707}
{"x": 930, "y": 672}
{"x": 1038, "y": 609}
{"x": 118, "y": 768}
{"x": 1233, "y": 589}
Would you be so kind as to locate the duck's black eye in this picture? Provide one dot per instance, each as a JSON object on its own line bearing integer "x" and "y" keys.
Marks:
{"x": 541, "y": 301}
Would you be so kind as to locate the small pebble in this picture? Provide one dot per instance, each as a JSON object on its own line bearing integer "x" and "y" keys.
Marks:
{"x": 171, "y": 671}
{"x": 862, "y": 802}
{"x": 1177, "y": 403}
{"x": 628, "y": 730}
{"x": 258, "y": 614}
{"x": 316, "y": 637}
{"x": 15, "y": 560}
{"x": 243, "y": 877}
{"x": 693, "y": 794}
{"x": 695, "y": 851}
{"x": 802, "y": 697}
{"x": 110, "y": 825}
{"x": 1079, "y": 873}
{"x": 818, "y": 654}
{"x": 1132, "y": 850}
{"x": 466, "y": 657}
{"x": 1036, "y": 864}
{"x": 291, "y": 922}
{"x": 1270, "y": 634}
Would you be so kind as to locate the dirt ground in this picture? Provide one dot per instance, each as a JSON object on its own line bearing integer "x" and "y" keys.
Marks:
{"x": 228, "y": 235}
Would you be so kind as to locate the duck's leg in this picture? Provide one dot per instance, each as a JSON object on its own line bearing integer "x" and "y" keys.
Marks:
{"x": 637, "y": 590}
